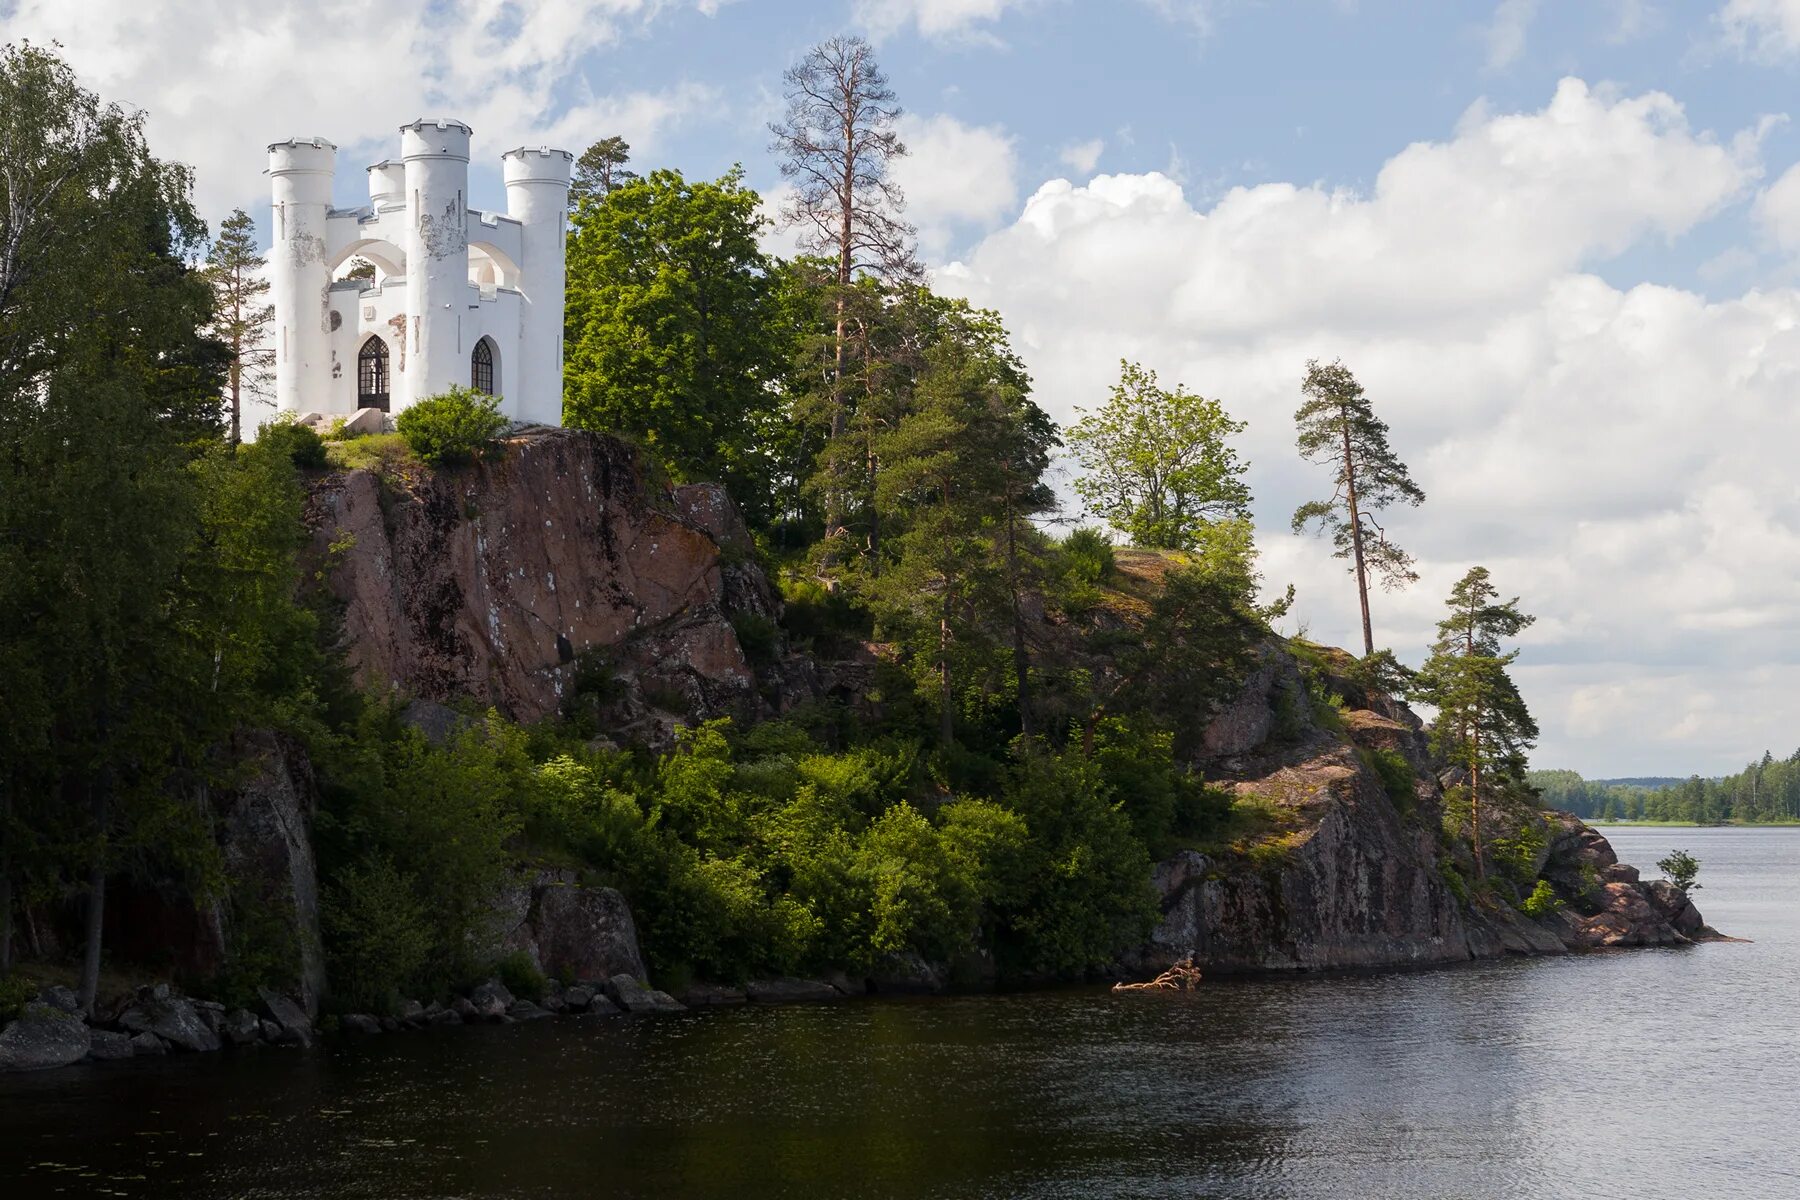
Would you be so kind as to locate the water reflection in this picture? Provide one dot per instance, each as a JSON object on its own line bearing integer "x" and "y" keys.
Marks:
{"x": 1658, "y": 1072}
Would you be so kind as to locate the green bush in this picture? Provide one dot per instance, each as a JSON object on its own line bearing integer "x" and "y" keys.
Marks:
{"x": 378, "y": 939}
{"x": 520, "y": 976}
{"x": 285, "y": 435}
{"x": 1396, "y": 775}
{"x": 455, "y": 427}
{"x": 1542, "y": 902}
{"x": 1088, "y": 553}
{"x": 1681, "y": 868}
{"x": 16, "y": 992}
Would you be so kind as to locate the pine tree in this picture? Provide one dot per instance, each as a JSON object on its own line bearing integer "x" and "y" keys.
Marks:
{"x": 1337, "y": 425}
{"x": 600, "y": 171}
{"x": 837, "y": 145}
{"x": 1482, "y": 724}
{"x": 241, "y": 317}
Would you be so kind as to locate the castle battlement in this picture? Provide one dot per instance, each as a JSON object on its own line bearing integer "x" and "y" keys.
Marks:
{"x": 460, "y": 296}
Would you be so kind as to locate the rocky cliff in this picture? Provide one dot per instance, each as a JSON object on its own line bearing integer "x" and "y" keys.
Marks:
{"x": 1353, "y": 870}
{"x": 519, "y": 580}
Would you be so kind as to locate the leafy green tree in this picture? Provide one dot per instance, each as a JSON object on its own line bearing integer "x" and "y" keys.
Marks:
{"x": 675, "y": 333}
{"x": 1157, "y": 464}
{"x": 1682, "y": 869}
{"x": 242, "y": 317}
{"x": 1483, "y": 725}
{"x": 600, "y": 171}
{"x": 1337, "y": 425}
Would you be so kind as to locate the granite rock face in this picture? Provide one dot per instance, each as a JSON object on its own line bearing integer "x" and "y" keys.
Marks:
{"x": 44, "y": 1036}
{"x": 171, "y": 1018}
{"x": 566, "y": 929}
{"x": 492, "y": 581}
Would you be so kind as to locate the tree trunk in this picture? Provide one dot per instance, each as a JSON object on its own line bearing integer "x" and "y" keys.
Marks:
{"x": 1356, "y": 541}
{"x": 946, "y": 714}
{"x": 1475, "y": 799}
{"x": 96, "y": 904}
{"x": 1021, "y": 656}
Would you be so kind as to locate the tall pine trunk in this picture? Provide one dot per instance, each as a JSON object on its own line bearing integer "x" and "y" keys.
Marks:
{"x": 1356, "y": 539}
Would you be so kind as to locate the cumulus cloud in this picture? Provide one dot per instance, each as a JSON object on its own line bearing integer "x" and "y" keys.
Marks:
{"x": 1604, "y": 451}
{"x": 1507, "y": 30}
{"x": 271, "y": 70}
{"x": 1777, "y": 210}
{"x": 1761, "y": 28}
{"x": 1083, "y": 157}
{"x": 955, "y": 177}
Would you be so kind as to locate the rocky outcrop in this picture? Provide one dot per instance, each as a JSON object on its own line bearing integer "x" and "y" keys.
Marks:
{"x": 172, "y": 1018}
{"x": 1350, "y": 869}
{"x": 503, "y": 580}
{"x": 567, "y": 929}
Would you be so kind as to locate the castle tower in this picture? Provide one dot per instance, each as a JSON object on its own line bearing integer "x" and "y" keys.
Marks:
{"x": 537, "y": 196}
{"x": 300, "y": 174}
{"x": 436, "y": 157}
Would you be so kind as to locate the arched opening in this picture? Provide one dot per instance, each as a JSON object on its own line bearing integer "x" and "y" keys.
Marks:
{"x": 481, "y": 366}
{"x": 372, "y": 375}
{"x": 389, "y": 259}
{"x": 491, "y": 267}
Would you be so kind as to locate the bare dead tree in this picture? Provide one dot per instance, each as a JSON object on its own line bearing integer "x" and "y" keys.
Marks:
{"x": 838, "y": 144}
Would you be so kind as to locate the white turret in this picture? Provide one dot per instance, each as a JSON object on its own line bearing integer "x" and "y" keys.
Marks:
{"x": 300, "y": 172}
{"x": 459, "y": 297}
{"x": 537, "y": 196}
{"x": 436, "y": 154}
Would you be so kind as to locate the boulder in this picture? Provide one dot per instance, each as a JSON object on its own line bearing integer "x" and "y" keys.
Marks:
{"x": 44, "y": 1036}
{"x": 365, "y": 422}
{"x": 170, "y": 1017}
{"x": 790, "y": 991}
{"x": 525, "y": 1010}
{"x": 632, "y": 996}
{"x": 291, "y": 1021}
{"x": 391, "y": 1025}
{"x": 445, "y": 1016}
{"x": 269, "y": 1030}
{"x": 107, "y": 1045}
{"x": 148, "y": 1043}
{"x": 491, "y": 1000}
{"x": 241, "y": 1027}
{"x": 906, "y": 973}
{"x": 60, "y": 998}
{"x": 1675, "y": 907}
{"x": 711, "y": 995}
{"x": 601, "y": 1006}
{"x": 584, "y": 932}
{"x": 359, "y": 1023}
{"x": 412, "y": 1013}
{"x": 462, "y": 1010}
{"x": 578, "y": 998}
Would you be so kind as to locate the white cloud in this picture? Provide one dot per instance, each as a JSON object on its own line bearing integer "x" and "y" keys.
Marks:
{"x": 1083, "y": 157}
{"x": 1761, "y": 28}
{"x": 1607, "y": 453}
{"x": 955, "y": 177}
{"x": 1506, "y": 32}
{"x": 1777, "y": 210}
{"x": 222, "y": 79}
{"x": 932, "y": 18}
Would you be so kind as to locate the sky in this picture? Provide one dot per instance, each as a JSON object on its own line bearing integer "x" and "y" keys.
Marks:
{"x": 1559, "y": 244}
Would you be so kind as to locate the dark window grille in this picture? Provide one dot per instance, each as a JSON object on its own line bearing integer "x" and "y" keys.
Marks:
{"x": 481, "y": 367}
{"x": 372, "y": 375}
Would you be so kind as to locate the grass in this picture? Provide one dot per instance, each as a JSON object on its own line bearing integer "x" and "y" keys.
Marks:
{"x": 376, "y": 452}
{"x": 1255, "y": 828}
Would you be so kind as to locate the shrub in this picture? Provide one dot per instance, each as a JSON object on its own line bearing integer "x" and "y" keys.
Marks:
{"x": 1396, "y": 776}
{"x": 377, "y": 938}
{"x": 1681, "y": 869}
{"x": 286, "y": 435}
{"x": 520, "y": 976}
{"x": 1542, "y": 902}
{"x": 16, "y": 992}
{"x": 454, "y": 427}
{"x": 1089, "y": 554}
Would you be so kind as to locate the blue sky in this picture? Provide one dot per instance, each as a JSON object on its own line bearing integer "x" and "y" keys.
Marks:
{"x": 1557, "y": 242}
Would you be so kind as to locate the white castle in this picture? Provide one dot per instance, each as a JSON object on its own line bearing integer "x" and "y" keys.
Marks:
{"x": 459, "y": 296}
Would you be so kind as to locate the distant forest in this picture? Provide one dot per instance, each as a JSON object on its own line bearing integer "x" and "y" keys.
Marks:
{"x": 1764, "y": 791}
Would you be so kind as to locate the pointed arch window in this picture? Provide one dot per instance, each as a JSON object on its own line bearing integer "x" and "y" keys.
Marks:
{"x": 481, "y": 367}
{"x": 372, "y": 375}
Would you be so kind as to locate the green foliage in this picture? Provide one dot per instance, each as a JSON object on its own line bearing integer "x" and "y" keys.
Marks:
{"x": 16, "y": 992}
{"x": 1681, "y": 869}
{"x": 675, "y": 336}
{"x": 1088, "y": 553}
{"x": 599, "y": 172}
{"x": 382, "y": 453}
{"x": 1157, "y": 464}
{"x": 284, "y": 435}
{"x": 378, "y": 936}
{"x": 453, "y": 427}
{"x": 1453, "y": 879}
{"x": 520, "y": 976}
{"x": 1397, "y": 777}
{"x": 1542, "y": 902}
{"x": 1517, "y": 853}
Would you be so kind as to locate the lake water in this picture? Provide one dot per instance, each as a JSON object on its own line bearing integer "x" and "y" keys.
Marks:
{"x": 1648, "y": 1072}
